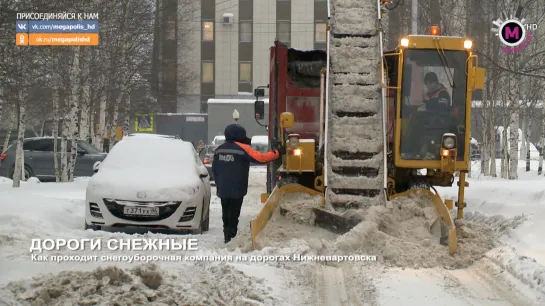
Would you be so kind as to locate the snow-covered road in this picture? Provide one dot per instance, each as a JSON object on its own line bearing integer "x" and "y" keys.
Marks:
{"x": 512, "y": 274}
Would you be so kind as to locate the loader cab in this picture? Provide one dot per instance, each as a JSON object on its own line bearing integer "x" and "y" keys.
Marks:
{"x": 431, "y": 79}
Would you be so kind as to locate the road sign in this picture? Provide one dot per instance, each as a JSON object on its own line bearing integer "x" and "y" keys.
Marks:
{"x": 143, "y": 123}
{"x": 194, "y": 119}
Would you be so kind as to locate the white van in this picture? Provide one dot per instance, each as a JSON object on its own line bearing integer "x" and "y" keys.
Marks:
{"x": 260, "y": 143}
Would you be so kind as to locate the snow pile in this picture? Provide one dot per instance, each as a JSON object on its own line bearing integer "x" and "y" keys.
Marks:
{"x": 523, "y": 268}
{"x": 195, "y": 285}
{"x": 281, "y": 229}
{"x": 498, "y": 223}
{"x": 293, "y": 219}
{"x": 298, "y": 206}
{"x": 400, "y": 236}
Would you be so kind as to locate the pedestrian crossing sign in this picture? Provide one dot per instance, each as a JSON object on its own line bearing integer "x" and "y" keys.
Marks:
{"x": 143, "y": 123}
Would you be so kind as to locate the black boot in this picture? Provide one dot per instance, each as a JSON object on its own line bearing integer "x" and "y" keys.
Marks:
{"x": 226, "y": 235}
{"x": 233, "y": 233}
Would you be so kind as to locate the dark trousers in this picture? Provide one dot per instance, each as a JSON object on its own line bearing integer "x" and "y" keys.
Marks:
{"x": 230, "y": 209}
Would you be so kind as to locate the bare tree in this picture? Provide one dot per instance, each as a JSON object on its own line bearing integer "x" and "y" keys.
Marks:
{"x": 73, "y": 126}
{"x": 18, "y": 171}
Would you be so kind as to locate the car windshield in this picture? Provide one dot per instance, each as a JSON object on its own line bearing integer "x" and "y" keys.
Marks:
{"x": 261, "y": 147}
{"x": 88, "y": 147}
{"x": 434, "y": 101}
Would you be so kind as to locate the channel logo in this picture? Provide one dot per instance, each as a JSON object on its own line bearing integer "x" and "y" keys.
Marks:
{"x": 514, "y": 33}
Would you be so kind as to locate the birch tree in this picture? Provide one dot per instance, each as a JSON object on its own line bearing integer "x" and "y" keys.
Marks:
{"x": 19, "y": 168}
{"x": 124, "y": 77}
{"x": 73, "y": 126}
{"x": 55, "y": 132}
{"x": 85, "y": 101}
{"x": 101, "y": 134}
{"x": 12, "y": 121}
{"x": 541, "y": 140}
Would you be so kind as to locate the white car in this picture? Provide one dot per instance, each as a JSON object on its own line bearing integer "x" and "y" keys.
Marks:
{"x": 149, "y": 183}
{"x": 218, "y": 140}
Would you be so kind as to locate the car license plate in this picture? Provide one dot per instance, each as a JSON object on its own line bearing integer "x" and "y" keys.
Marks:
{"x": 141, "y": 211}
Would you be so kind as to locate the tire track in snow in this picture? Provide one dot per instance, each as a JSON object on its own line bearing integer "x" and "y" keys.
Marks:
{"x": 484, "y": 284}
{"x": 332, "y": 289}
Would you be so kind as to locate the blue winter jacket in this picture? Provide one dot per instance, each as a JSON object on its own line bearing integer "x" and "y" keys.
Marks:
{"x": 231, "y": 165}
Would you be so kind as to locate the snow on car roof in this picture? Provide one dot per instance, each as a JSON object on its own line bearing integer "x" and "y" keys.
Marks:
{"x": 233, "y": 101}
{"x": 151, "y": 153}
{"x": 151, "y": 135}
{"x": 260, "y": 139}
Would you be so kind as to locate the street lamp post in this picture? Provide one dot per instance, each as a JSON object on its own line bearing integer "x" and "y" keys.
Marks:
{"x": 236, "y": 115}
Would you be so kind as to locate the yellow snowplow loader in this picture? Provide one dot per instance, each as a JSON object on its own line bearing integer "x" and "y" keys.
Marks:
{"x": 377, "y": 145}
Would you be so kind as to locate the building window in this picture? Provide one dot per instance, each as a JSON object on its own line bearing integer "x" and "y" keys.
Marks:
{"x": 283, "y": 31}
{"x": 320, "y": 30}
{"x": 245, "y": 30}
{"x": 208, "y": 30}
{"x": 207, "y": 72}
{"x": 245, "y": 73}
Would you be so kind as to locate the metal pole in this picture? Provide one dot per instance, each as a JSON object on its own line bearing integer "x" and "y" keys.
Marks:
{"x": 275, "y": 132}
{"x": 414, "y": 13}
{"x": 326, "y": 87}
{"x": 384, "y": 104}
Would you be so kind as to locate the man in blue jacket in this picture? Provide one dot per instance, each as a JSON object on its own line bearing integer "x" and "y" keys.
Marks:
{"x": 231, "y": 167}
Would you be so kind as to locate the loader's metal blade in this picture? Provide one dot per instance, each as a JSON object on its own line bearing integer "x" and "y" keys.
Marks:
{"x": 334, "y": 222}
{"x": 259, "y": 223}
{"x": 447, "y": 227}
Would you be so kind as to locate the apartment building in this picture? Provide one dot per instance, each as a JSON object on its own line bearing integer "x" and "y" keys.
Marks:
{"x": 220, "y": 48}
{"x": 223, "y": 45}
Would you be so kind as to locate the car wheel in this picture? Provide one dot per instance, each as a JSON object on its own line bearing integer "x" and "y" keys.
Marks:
{"x": 28, "y": 172}
{"x": 199, "y": 230}
{"x": 206, "y": 223}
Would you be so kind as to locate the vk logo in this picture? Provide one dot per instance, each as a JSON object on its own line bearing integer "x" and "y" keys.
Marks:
{"x": 21, "y": 26}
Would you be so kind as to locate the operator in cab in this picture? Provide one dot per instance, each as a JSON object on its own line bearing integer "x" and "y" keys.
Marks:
{"x": 435, "y": 109}
{"x": 437, "y": 98}
{"x": 231, "y": 168}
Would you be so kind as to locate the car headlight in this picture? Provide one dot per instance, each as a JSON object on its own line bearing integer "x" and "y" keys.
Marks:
{"x": 449, "y": 142}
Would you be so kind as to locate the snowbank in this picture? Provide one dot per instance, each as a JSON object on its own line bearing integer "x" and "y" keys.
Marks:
{"x": 210, "y": 285}
{"x": 495, "y": 201}
{"x": 400, "y": 236}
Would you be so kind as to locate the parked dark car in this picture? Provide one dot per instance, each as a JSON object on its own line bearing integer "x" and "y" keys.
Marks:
{"x": 38, "y": 158}
{"x": 475, "y": 151}
{"x": 207, "y": 159}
